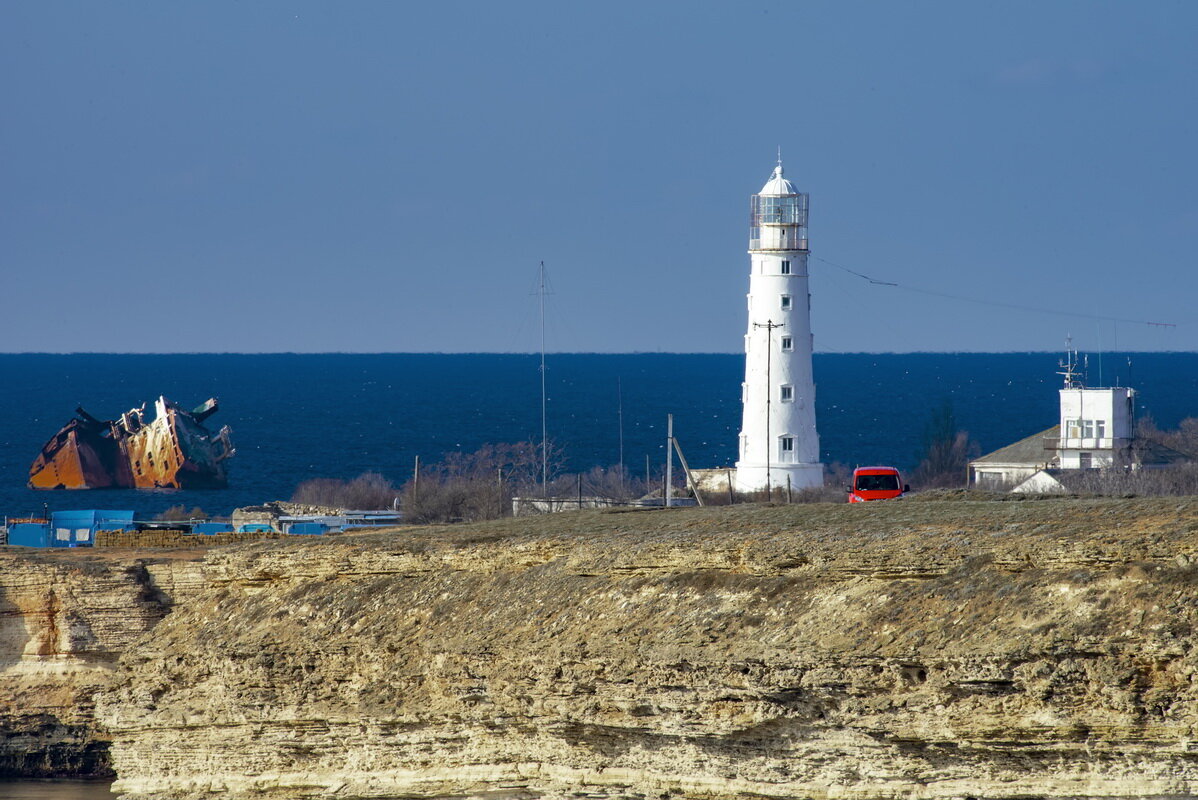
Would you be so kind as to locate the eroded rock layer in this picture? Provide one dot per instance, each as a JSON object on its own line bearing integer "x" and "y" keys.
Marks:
{"x": 914, "y": 650}
{"x": 65, "y": 617}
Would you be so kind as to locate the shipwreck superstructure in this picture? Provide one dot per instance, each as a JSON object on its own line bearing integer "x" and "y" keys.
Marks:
{"x": 172, "y": 451}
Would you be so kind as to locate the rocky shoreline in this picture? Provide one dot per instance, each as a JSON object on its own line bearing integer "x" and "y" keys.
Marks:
{"x": 929, "y": 649}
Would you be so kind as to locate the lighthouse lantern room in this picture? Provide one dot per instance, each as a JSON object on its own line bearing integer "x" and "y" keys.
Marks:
{"x": 779, "y": 446}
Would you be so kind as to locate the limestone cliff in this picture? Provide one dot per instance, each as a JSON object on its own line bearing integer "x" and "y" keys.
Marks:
{"x": 891, "y": 650}
{"x": 65, "y": 617}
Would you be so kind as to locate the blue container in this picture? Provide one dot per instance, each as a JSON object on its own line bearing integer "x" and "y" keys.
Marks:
{"x": 29, "y": 534}
{"x": 255, "y": 527}
{"x": 78, "y": 528}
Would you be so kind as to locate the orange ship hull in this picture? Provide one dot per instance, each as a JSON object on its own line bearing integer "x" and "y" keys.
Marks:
{"x": 174, "y": 451}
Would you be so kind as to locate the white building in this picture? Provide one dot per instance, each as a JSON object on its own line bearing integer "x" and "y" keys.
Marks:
{"x": 779, "y": 445}
{"x": 1096, "y": 430}
{"x": 1096, "y": 427}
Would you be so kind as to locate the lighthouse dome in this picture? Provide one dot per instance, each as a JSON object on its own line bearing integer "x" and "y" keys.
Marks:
{"x": 777, "y": 185}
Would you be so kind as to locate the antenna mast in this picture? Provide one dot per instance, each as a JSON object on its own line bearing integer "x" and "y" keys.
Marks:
{"x": 1069, "y": 366}
{"x": 544, "y": 422}
{"x": 620, "y": 416}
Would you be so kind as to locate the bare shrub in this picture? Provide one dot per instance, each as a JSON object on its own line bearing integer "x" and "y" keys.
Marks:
{"x": 608, "y": 482}
{"x": 947, "y": 452}
{"x": 477, "y": 485}
{"x": 369, "y": 491}
{"x": 1183, "y": 439}
{"x": 1166, "y": 481}
{"x": 181, "y": 513}
{"x": 455, "y": 500}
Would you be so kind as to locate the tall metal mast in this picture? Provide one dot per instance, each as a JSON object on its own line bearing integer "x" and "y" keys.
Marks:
{"x": 544, "y": 420}
{"x": 620, "y": 417}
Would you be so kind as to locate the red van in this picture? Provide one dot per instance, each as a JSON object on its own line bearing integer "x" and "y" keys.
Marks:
{"x": 876, "y": 483}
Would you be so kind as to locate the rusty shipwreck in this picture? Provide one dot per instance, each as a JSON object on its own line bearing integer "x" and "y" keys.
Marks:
{"x": 173, "y": 451}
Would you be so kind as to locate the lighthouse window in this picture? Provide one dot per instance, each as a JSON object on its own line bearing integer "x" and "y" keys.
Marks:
{"x": 787, "y": 343}
{"x": 785, "y": 267}
{"x": 788, "y": 394}
{"x": 786, "y": 448}
{"x": 785, "y": 302}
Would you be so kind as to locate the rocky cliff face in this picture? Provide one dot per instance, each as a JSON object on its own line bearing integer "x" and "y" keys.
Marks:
{"x": 65, "y": 617}
{"x": 899, "y": 650}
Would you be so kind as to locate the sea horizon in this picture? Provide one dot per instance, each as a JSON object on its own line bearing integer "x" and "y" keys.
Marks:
{"x": 557, "y": 352}
{"x": 296, "y": 416}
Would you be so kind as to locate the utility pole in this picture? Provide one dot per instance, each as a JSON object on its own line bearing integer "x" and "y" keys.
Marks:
{"x": 669, "y": 459}
{"x": 769, "y": 326}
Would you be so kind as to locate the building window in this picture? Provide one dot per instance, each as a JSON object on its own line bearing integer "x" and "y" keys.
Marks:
{"x": 786, "y": 449}
{"x": 1085, "y": 460}
{"x": 785, "y": 267}
{"x": 1085, "y": 429}
{"x": 787, "y": 394}
{"x": 786, "y": 302}
{"x": 787, "y": 343}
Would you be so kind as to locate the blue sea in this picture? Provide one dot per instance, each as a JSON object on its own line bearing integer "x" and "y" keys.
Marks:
{"x": 296, "y": 416}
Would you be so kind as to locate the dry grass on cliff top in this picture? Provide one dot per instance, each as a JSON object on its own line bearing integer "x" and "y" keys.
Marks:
{"x": 946, "y": 524}
{"x": 1150, "y": 528}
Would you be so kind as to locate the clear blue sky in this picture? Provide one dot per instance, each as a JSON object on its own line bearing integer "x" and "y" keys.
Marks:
{"x": 384, "y": 176}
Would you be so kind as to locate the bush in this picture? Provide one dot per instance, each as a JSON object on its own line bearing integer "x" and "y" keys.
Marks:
{"x": 944, "y": 463}
{"x": 180, "y": 513}
{"x": 1162, "y": 482}
{"x": 477, "y": 485}
{"x": 367, "y": 492}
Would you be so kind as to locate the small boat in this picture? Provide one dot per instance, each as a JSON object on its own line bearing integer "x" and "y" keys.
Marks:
{"x": 173, "y": 451}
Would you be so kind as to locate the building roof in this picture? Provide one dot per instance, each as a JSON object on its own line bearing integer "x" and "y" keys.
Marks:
{"x": 1039, "y": 449}
{"x": 777, "y": 185}
{"x": 1030, "y": 451}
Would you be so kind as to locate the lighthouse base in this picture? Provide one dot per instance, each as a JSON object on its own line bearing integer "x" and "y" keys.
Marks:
{"x": 752, "y": 477}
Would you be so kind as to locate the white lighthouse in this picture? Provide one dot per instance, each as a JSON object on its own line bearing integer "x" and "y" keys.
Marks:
{"x": 778, "y": 442}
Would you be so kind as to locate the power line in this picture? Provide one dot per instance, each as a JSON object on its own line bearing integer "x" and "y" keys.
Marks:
{"x": 997, "y": 303}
